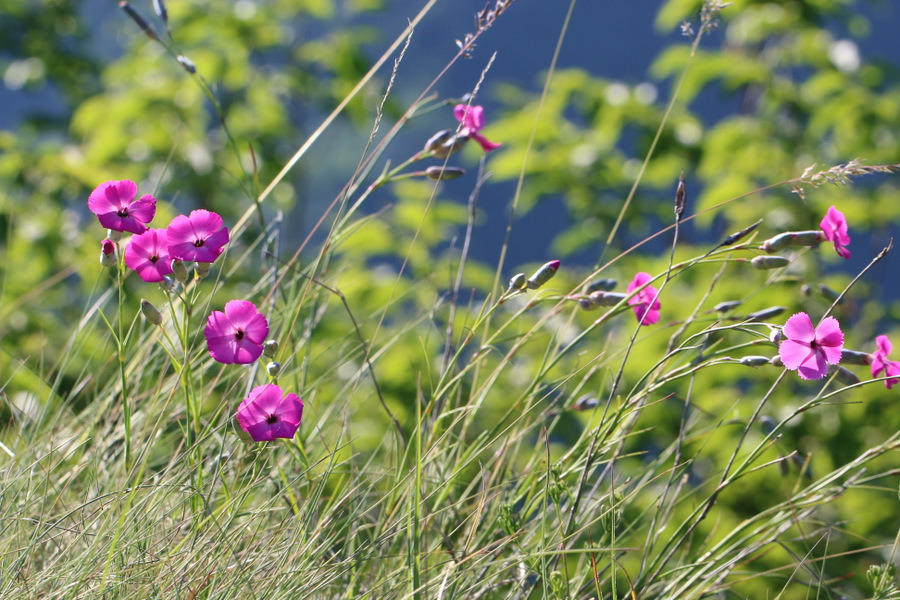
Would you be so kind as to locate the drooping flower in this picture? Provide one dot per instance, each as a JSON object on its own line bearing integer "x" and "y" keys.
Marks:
{"x": 472, "y": 118}
{"x": 200, "y": 237}
{"x": 881, "y": 363}
{"x": 236, "y": 336}
{"x": 114, "y": 204}
{"x": 646, "y": 302}
{"x": 834, "y": 226}
{"x": 810, "y": 350}
{"x": 148, "y": 255}
{"x": 266, "y": 414}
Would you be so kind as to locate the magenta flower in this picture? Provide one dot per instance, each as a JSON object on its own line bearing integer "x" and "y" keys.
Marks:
{"x": 472, "y": 118}
{"x": 148, "y": 255}
{"x": 834, "y": 226}
{"x": 236, "y": 336}
{"x": 809, "y": 351}
{"x": 880, "y": 362}
{"x": 113, "y": 203}
{"x": 265, "y": 414}
{"x": 645, "y": 302}
{"x": 201, "y": 237}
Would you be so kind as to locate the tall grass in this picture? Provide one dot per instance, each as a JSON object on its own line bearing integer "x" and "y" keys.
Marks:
{"x": 461, "y": 438}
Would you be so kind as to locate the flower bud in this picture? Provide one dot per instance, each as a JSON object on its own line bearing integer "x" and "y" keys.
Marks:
{"x": 113, "y": 235}
{"x": 160, "y": 7}
{"x": 543, "y": 275}
{"x": 830, "y": 294}
{"x": 727, "y": 306}
{"x": 202, "y": 269}
{"x": 585, "y": 402}
{"x": 792, "y": 239}
{"x": 270, "y": 348}
{"x": 853, "y": 357}
{"x": 167, "y": 284}
{"x": 680, "y": 197}
{"x": 187, "y": 64}
{"x": 517, "y": 282}
{"x": 585, "y": 303}
{"x": 767, "y": 423}
{"x": 438, "y": 140}
{"x": 451, "y": 146}
{"x": 108, "y": 253}
{"x": 845, "y": 376}
{"x": 776, "y": 361}
{"x": 444, "y": 173}
{"x": 766, "y": 313}
{"x": 754, "y": 361}
{"x": 179, "y": 270}
{"x": 769, "y": 262}
{"x": 601, "y": 285}
{"x": 606, "y": 298}
{"x": 273, "y": 368}
{"x": 739, "y": 235}
{"x": 150, "y": 312}
{"x": 146, "y": 27}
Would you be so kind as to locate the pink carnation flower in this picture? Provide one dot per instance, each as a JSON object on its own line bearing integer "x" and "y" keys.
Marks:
{"x": 200, "y": 237}
{"x": 809, "y": 350}
{"x": 646, "y": 302}
{"x": 148, "y": 255}
{"x": 834, "y": 226}
{"x": 236, "y": 336}
{"x": 472, "y": 118}
{"x": 266, "y": 414}
{"x": 114, "y": 204}
{"x": 881, "y": 364}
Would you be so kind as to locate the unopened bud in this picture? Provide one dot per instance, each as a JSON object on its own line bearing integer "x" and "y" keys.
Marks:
{"x": 270, "y": 348}
{"x": 601, "y": 285}
{"x": 451, "y": 146}
{"x": 108, "y": 253}
{"x": 438, "y": 140}
{"x": 766, "y": 313}
{"x": 113, "y": 235}
{"x": 606, "y": 298}
{"x": 517, "y": 282}
{"x": 739, "y": 235}
{"x": 202, "y": 269}
{"x": 543, "y": 275}
{"x": 767, "y": 423}
{"x": 769, "y": 262}
{"x": 273, "y": 368}
{"x": 585, "y": 402}
{"x": 755, "y": 361}
{"x": 845, "y": 376}
{"x": 853, "y": 357}
{"x": 187, "y": 64}
{"x": 146, "y": 27}
{"x": 444, "y": 173}
{"x": 150, "y": 312}
{"x": 167, "y": 284}
{"x": 179, "y": 270}
{"x": 727, "y": 306}
{"x": 680, "y": 197}
{"x": 792, "y": 239}
{"x": 776, "y": 361}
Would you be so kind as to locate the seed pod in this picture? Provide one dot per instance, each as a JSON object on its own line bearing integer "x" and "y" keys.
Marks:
{"x": 444, "y": 173}
{"x": 543, "y": 275}
{"x": 769, "y": 262}
{"x": 150, "y": 312}
{"x": 680, "y": 197}
{"x": 146, "y": 27}
{"x": 793, "y": 239}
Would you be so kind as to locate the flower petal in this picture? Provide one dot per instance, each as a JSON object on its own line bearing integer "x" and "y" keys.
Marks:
{"x": 799, "y": 328}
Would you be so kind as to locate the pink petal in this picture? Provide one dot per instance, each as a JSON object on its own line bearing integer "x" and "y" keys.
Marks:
{"x": 829, "y": 333}
{"x": 799, "y": 328}
{"x": 813, "y": 367}
{"x": 794, "y": 353}
{"x": 111, "y": 196}
{"x": 485, "y": 144}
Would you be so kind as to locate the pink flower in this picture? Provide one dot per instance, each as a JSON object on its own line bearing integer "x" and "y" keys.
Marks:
{"x": 834, "y": 226}
{"x": 201, "y": 237}
{"x": 880, "y": 362}
{"x": 645, "y": 302}
{"x": 472, "y": 118}
{"x": 236, "y": 336}
{"x": 113, "y": 203}
{"x": 265, "y": 414}
{"x": 146, "y": 253}
{"x": 809, "y": 351}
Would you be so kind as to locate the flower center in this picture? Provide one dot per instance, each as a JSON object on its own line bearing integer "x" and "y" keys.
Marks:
{"x": 272, "y": 419}
{"x": 153, "y": 259}
{"x": 122, "y": 212}
{"x": 199, "y": 243}
{"x": 239, "y": 334}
